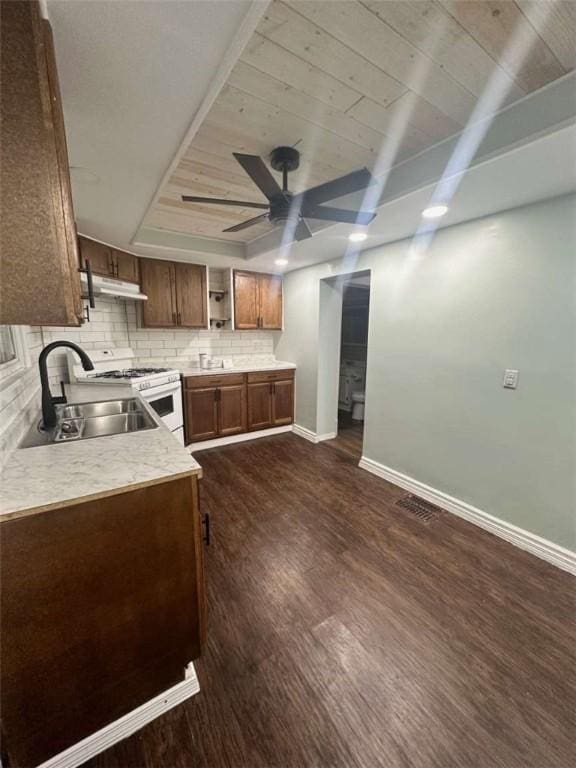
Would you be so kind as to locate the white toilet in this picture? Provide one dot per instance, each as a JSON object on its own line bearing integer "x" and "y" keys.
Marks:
{"x": 358, "y": 406}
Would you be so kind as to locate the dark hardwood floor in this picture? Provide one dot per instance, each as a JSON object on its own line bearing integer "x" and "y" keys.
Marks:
{"x": 350, "y": 436}
{"x": 343, "y": 631}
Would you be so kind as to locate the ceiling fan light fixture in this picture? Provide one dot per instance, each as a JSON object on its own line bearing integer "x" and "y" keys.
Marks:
{"x": 357, "y": 237}
{"x": 435, "y": 211}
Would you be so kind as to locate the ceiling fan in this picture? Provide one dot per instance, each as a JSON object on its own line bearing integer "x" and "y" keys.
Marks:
{"x": 283, "y": 206}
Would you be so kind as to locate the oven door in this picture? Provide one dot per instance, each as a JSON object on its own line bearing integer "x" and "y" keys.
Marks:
{"x": 166, "y": 400}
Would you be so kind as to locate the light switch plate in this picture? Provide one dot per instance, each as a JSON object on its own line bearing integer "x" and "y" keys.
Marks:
{"x": 510, "y": 379}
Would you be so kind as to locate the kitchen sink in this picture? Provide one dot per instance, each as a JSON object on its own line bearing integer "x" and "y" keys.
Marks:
{"x": 117, "y": 424}
{"x": 81, "y": 421}
{"x": 106, "y": 408}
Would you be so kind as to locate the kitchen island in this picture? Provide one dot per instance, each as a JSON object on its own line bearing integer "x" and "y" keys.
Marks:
{"x": 102, "y": 587}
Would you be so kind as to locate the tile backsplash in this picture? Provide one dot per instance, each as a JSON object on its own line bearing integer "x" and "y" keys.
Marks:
{"x": 114, "y": 324}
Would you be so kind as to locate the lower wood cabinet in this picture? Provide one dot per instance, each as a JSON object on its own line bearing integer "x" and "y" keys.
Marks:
{"x": 229, "y": 404}
{"x": 102, "y": 609}
{"x": 215, "y": 406}
{"x": 270, "y": 399}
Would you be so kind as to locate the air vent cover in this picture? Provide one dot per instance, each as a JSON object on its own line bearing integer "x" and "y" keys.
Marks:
{"x": 420, "y": 508}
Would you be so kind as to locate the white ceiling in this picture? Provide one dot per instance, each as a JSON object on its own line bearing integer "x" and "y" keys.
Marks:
{"x": 134, "y": 75}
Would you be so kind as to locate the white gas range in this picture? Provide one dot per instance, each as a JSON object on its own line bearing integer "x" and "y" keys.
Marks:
{"x": 160, "y": 387}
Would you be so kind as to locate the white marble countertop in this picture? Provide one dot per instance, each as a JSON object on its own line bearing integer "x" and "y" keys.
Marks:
{"x": 40, "y": 478}
{"x": 192, "y": 371}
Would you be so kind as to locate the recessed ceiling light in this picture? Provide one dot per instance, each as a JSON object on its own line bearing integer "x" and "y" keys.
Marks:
{"x": 357, "y": 237}
{"x": 281, "y": 262}
{"x": 435, "y": 211}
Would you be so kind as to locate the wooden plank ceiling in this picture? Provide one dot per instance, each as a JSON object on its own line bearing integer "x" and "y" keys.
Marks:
{"x": 343, "y": 80}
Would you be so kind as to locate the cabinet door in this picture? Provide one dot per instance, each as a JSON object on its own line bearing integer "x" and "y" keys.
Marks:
{"x": 283, "y": 402}
{"x": 232, "y": 410}
{"x": 191, "y": 301}
{"x": 201, "y": 414}
{"x": 259, "y": 405}
{"x": 75, "y": 297}
{"x": 99, "y": 255}
{"x": 246, "y": 300}
{"x": 271, "y": 302}
{"x": 40, "y": 283}
{"x": 126, "y": 266}
{"x": 159, "y": 311}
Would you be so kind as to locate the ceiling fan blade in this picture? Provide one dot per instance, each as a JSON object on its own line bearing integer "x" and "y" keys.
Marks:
{"x": 246, "y": 224}
{"x": 223, "y": 201}
{"x": 326, "y": 213}
{"x": 259, "y": 173}
{"x": 344, "y": 185}
{"x": 302, "y": 231}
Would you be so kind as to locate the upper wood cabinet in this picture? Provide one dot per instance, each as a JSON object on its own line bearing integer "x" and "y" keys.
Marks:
{"x": 125, "y": 266}
{"x": 257, "y": 301}
{"x": 39, "y": 254}
{"x": 157, "y": 282}
{"x": 109, "y": 262}
{"x": 191, "y": 298}
{"x": 176, "y": 294}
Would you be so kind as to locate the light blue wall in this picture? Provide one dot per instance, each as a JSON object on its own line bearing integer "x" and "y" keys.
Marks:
{"x": 487, "y": 295}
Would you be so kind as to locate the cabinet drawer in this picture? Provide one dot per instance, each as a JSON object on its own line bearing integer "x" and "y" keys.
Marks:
{"x": 262, "y": 376}
{"x": 216, "y": 380}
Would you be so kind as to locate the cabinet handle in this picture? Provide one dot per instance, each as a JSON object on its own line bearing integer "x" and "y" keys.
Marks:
{"x": 179, "y": 318}
{"x": 206, "y": 522}
{"x": 90, "y": 295}
{"x": 174, "y": 318}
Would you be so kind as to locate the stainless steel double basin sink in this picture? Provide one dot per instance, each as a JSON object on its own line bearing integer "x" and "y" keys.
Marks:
{"x": 81, "y": 421}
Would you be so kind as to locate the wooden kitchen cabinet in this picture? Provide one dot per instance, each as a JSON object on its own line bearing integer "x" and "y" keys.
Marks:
{"x": 103, "y": 607}
{"x": 39, "y": 254}
{"x": 191, "y": 297}
{"x": 126, "y": 266}
{"x": 283, "y": 402}
{"x": 177, "y": 296}
{"x": 270, "y": 302}
{"x": 232, "y": 410}
{"x": 259, "y": 405}
{"x": 270, "y": 399}
{"x": 99, "y": 256}
{"x": 157, "y": 282}
{"x": 109, "y": 262}
{"x": 246, "y": 300}
{"x": 201, "y": 406}
{"x": 257, "y": 301}
{"x": 215, "y": 406}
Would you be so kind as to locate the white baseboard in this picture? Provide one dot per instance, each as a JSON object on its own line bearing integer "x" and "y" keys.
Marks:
{"x": 218, "y": 442}
{"x": 546, "y": 550}
{"x": 313, "y": 437}
{"x": 127, "y": 725}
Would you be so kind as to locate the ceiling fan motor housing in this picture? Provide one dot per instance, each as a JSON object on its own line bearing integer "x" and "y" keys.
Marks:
{"x": 285, "y": 159}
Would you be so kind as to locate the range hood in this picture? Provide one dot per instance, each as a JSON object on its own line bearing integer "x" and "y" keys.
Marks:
{"x": 109, "y": 286}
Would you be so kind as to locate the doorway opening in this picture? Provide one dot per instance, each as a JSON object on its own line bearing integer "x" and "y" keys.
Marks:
{"x": 353, "y": 356}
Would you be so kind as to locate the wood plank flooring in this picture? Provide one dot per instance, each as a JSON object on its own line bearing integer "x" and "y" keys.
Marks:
{"x": 343, "y": 631}
{"x": 350, "y": 436}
